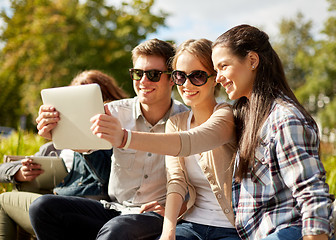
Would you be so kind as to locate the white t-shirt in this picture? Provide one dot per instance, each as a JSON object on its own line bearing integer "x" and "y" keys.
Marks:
{"x": 206, "y": 209}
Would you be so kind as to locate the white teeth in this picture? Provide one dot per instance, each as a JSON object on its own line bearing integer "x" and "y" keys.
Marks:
{"x": 228, "y": 85}
{"x": 190, "y": 93}
{"x": 146, "y": 90}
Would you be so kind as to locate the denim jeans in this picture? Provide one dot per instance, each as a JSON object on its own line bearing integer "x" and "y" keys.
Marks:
{"x": 63, "y": 217}
{"x": 289, "y": 233}
{"x": 193, "y": 231}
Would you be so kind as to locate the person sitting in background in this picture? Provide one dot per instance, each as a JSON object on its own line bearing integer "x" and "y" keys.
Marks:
{"x": 86, "y": 178}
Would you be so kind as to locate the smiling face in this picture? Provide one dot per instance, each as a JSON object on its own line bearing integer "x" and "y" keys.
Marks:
{"x": 194, "y": 95}
{"x": 152, "y": 93}
{"x": 234, "y": 74}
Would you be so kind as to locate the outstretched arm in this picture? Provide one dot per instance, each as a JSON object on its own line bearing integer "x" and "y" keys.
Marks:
{"x": 216, "y": 131}
{"x": 108, "y": 127}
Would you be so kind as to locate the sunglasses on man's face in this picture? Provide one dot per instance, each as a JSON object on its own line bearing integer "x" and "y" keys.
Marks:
{"x": 197, "y": 78}
{"x": 152, "y": 75}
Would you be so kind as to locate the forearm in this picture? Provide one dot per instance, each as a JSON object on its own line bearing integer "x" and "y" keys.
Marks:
{"x": 160, "y": 143}
{"x": 173, "y": 206}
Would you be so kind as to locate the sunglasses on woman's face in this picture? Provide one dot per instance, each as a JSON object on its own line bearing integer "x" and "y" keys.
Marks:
{"x": 152, "y": 75}
{"x": 197, "y": 78}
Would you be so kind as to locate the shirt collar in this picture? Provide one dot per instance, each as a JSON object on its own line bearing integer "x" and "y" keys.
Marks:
{"x": 138, "y": 112}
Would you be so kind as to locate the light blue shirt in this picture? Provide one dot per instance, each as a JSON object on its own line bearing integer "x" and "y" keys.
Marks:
{"x": 138, "y": 177}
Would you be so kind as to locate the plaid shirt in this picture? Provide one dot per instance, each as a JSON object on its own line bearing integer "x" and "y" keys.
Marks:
{"x": 286, "y": 185}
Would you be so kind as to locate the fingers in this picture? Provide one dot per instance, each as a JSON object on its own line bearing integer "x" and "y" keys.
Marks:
{"x": 45, "y": 111}
{"x": 151, "y": 206}
{"x": 47, "y": 120}
{"x": 104, "y": 124}
{"x": 28, "y": 165}
{"x": 28, "y": 171}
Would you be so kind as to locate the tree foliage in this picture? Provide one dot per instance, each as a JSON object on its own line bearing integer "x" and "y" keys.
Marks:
{"x": 295, "y": 40}
{"x": 320, "y": 88}
{"x": 310, "y": 65}
{"x": 47, "y": 42}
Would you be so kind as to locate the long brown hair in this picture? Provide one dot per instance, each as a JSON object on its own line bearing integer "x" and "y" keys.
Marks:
{"x": 110, "y": 90}
{"x": 270, "y": 84}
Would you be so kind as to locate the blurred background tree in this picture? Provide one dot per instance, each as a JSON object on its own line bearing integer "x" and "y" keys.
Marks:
{"x": 47, "y": 42}
{"x": 310, "y": 66}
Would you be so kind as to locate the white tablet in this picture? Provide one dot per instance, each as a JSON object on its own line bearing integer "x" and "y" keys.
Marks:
{"x": 54, "y": 171}
{"x": 76, "y": 105}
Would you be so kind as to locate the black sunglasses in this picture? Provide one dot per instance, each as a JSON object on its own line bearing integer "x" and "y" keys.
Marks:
{"x": 197, "y": 77}
{"x": 152, "y": 75}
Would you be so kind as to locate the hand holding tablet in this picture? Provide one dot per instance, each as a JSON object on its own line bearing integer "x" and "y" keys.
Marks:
{"x": 76, "y": 105}
{"x": 54, "y": 171}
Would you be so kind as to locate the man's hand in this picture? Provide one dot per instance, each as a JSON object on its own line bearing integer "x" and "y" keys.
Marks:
{"x": 153, "y": 207}
{"x": 28, "y": 171}
{"x": 107, "y": 127}
{"x": 47, "y": 120}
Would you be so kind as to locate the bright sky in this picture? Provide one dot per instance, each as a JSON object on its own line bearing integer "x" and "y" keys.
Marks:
{"x": 210, "y": 18}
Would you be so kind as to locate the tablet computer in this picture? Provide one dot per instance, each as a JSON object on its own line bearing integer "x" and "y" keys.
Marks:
{"x": 76, "y": 105}
{"x": 54, "y": 171}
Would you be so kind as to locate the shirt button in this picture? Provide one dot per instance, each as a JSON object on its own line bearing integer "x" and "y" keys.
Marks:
{"x": 226, "y": 211}
{"x": 149, "y": 154}
{"x": 146, "y": 176}
{"x": 219, "y": 195}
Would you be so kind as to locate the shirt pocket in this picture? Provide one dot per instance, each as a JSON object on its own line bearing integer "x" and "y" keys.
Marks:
{"x": 123, "y": 158}
{"x": 260, "y": 173}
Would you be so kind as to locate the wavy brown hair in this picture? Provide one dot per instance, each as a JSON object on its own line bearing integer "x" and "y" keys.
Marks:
{"x": 270, "y": 84}
{"x": 108, "y": 85}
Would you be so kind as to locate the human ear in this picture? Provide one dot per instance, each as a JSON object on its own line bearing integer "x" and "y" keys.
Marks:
{"x": 253, "y": 58}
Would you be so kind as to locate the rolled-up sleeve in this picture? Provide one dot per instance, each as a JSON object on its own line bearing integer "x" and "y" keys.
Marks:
{"x": 8, "y": 170}
{"x": 303, "y": 172}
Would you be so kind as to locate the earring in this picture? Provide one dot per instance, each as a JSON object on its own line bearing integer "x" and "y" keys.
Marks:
{"x": 253, "y": 67}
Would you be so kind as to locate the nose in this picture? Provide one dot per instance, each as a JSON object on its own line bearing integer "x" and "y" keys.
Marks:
{"x": 220, "y": 77}
{"x": 144, "y": 78}
{"x": 187, "y": 83}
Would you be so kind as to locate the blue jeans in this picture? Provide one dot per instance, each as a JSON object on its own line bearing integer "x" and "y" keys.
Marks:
{"x": 289, "y": 233}
{"x": 63, "y": 217}
{"x": 193, "y": 231}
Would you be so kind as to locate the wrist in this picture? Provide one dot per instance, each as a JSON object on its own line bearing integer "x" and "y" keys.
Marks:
{"x": 126, "y": 141}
